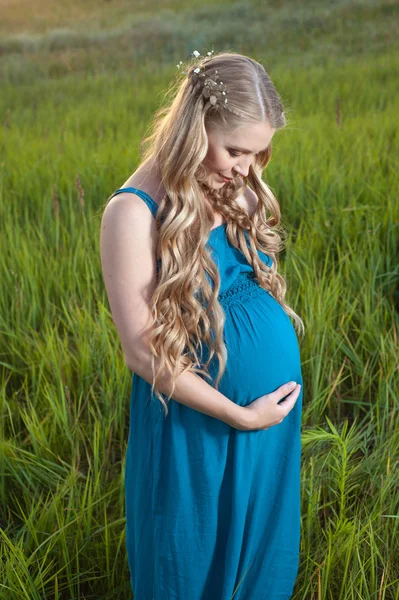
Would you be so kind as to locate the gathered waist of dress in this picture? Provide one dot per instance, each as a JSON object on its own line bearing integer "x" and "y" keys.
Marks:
{"x": 245, "y": 286}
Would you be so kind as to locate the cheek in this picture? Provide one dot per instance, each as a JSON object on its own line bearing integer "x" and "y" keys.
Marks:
{"x": 219, "y": 161}
{"x": 225, "y": 163}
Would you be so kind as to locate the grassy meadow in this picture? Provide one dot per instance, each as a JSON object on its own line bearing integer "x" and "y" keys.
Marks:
{"x": 79, "y": 84}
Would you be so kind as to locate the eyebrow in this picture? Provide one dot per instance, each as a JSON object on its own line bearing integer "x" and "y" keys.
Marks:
{"x": 245, "y": 150}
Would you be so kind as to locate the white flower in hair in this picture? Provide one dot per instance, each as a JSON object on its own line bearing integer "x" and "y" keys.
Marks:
{"x": 196, "y": 53}
{"x": 197, "y": 70}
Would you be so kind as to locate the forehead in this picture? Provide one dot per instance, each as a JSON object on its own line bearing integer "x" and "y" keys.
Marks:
{"x": 250, "y": 137}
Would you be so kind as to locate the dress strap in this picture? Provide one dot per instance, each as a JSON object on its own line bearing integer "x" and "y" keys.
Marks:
{"x": 152, "y": 205}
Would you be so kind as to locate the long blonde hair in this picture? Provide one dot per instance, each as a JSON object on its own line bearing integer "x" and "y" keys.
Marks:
{"x": 185, "y": 309}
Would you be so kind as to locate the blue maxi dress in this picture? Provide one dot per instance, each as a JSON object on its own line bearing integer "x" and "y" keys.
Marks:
{"x": 212, "y": 510}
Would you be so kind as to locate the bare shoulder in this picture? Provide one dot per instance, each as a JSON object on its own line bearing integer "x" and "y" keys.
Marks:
{"x": 130, "y": 198}
{"x": 147, "y": 179}
{"x": 128, "y": 219}
{"x": 129, "y": 215}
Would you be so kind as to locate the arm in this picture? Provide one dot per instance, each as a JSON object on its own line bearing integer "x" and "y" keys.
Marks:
{"x": 128, "y": 243}
{"x": 191, "y": 390}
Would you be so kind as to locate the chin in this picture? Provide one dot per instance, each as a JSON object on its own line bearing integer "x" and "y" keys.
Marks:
{"x": 215, "y": 183}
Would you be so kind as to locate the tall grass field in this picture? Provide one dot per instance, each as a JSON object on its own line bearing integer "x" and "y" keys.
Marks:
{"x": 79, "y": 85}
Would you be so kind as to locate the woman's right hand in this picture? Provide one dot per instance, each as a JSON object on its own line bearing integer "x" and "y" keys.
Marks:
{"x": 264, "y": 412}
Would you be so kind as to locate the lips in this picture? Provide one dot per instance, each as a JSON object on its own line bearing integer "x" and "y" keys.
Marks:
{"x": 226, "y": 178}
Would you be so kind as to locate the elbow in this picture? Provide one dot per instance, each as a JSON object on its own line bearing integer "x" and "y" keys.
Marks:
{"x": 139, "y": 365}
{"x": 128, "y": 363}
{"x": 131, "y": 363}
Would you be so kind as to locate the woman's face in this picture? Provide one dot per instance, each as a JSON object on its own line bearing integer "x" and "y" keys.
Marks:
{"x": 231, "y": 154}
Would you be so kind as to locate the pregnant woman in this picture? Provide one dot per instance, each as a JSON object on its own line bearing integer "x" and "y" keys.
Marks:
{"x": 188, "y": 250}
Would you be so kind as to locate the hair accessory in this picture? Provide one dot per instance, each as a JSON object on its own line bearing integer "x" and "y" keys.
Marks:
{"x": 212, "y": 88}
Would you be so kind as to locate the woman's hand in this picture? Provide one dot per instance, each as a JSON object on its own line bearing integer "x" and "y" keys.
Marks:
{"x": 264, "y": 412}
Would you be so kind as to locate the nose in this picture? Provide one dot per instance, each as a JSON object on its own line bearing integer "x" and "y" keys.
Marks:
{"x": 242, "y": 171}
{"x": 243, "y": 168}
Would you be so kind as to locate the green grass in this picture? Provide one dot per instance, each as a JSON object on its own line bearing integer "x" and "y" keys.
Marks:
{"x": 73, "y": 113}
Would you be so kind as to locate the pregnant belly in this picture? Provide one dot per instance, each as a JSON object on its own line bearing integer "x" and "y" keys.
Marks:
{"x": 261, "y": 342}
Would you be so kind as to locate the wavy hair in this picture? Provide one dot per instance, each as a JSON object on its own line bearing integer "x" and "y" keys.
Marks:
{"x": 184, "y": 306}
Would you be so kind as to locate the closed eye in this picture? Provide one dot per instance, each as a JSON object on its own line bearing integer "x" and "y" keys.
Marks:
{"x": 232, "y": 153}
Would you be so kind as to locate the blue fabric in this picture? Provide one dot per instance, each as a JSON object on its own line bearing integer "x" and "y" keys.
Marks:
{"x": 210, "y": 508}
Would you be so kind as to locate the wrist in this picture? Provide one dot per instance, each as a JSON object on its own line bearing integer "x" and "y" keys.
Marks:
{"x": 240, "y": 418}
